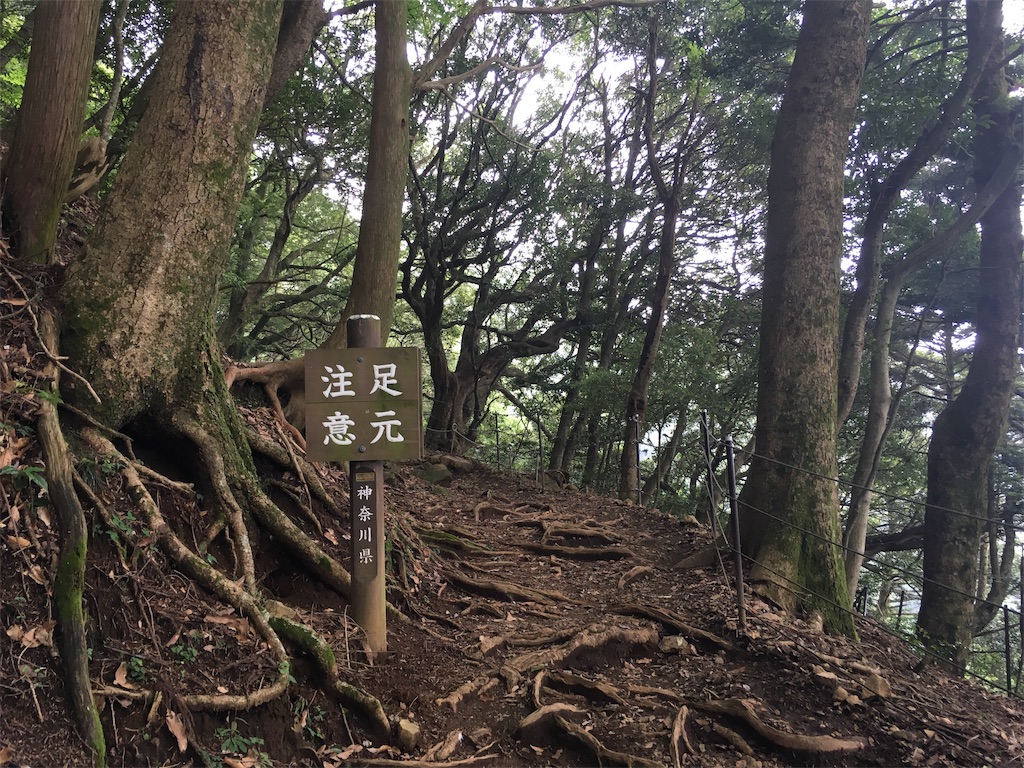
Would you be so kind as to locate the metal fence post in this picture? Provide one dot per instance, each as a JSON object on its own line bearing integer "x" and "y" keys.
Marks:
{"x": 735, "y": 512}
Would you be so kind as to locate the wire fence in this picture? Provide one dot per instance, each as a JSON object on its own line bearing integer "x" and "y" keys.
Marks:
{"x": 733, "y": 547}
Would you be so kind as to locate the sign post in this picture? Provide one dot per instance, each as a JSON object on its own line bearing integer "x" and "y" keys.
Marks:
{"x": 364, "y": 406}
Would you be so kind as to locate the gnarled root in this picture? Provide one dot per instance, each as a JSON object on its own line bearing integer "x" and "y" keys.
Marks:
{"x": 214, "y": 581}
{"x": 273, "y": 377}
{"x": 70, "y": 579}
{"x": 320, "y": 652}
{"x": 744, "y": 709}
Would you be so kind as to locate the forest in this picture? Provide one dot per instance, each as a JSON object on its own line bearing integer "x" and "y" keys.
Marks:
{"x": 754, "y": 255}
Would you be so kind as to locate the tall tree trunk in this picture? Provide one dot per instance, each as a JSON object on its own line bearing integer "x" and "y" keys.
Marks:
{"x": 884, "y": 197}
{"x": 460, "y": 395}
{"x": 378, "y": 251}
{"x": 19, "y": 40}
{"x": 790, "y": 504}
{"x": 244, "y": 301}
{"x": 42, "y": 156}
{"x": 569, "y": 423}
{"x": 671, "y": 192}
{"x": 881, "y": 405}
{"x": 666, "y": 456}
{"x": 636, "y": 400}
{"x": 967, "y": 431}
{"x": 140, "y": 300}
{"x": 36, "y": 180}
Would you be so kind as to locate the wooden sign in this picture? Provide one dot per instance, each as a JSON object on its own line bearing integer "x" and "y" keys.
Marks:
{"x": 364, "y": 404}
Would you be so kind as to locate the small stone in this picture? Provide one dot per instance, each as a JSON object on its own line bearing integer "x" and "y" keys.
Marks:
{"x": 676, "y": 644}
{"x": 876, "y": 685}
{"x": 481, "y": 737}
{"x": 408, "y": 735}
{"x": 436, "y": 474}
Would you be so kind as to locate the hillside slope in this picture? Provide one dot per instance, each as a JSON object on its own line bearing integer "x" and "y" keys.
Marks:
{"x": 533, "y": 626}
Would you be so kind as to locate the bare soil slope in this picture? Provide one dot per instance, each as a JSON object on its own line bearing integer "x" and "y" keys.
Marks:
{"x": 533, "y": 626}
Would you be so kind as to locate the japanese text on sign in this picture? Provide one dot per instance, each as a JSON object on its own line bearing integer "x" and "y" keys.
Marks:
{"x": 363, "y": 404}
{"x": 366, "y": 530}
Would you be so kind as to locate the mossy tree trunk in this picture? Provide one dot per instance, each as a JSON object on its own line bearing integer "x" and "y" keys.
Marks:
{"x": 35, "y": 183}
{"x": 49, "y": 123}
{"x": 967, "y": 432}
{"x": 789, "y": 506}
{"x": 139, "y": 302}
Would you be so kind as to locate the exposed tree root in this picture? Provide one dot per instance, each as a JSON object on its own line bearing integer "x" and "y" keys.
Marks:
{"x": 373, "y": 761}
{"x": 579, "y": 553}
{"x": 270, "y": 627}
{"x": 273, "y": 377}
{"x": 744, "y": 709}
{"x": 504, "y": 590}
{"x": 539, "y": 727}
{"x": 702, "y": 558}
{"x": 672, "y": 620}
{"x": 618, "y": 642}
{"x": 633, "y": 574}
{"x": 601, "y": 752}
{"x": 214, "y": 462}
{"x": 473, "y": 686}
{"x": 594, "y": 690}
{"x": 305, "y": 509}
{"x": 452, "y": 541}
{"x": 733, "y": 738}
{"x": 70, "y": 579}
{"x": 322, "y": 655}
{"x": 680, "y": 739}
{"x": 486, "y": 509}
{"x": 286, "y": 459}
{"x": 648, "y": 690}
{"x": 539, "y": 641}
{"x": 301, "y": 546}
{"x": 203, "y": 573}
{"x": 559, "y": 530}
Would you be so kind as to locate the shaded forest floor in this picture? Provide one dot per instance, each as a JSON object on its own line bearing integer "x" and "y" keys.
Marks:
{"x": 538, "y": 626}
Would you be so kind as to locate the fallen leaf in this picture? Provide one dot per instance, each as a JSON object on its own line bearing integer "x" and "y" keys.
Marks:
{"x": 6, "y": 457}
{"x": 38, "y": 575}
{"x": 350, "y": 750}
{"x": 6, "y": 755}
{"x": 236, "y": 623}
{"x": 121, "y": 676}
{"x": 18, "y": 543}
{"x": 331, "y": 536}
{"x": 41, "y": 635}
{"x": 15, "y": 632}
{"x": 177, "y": 729}
{"x": 43, "y": 513}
